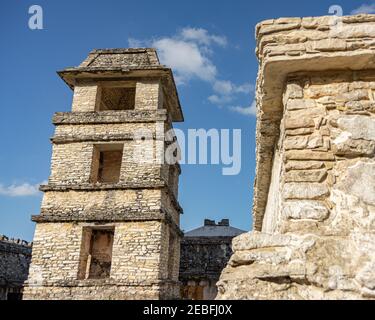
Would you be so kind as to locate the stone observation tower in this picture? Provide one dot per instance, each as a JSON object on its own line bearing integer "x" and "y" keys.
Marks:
{"x": 314, "y": 201}
{"x": 109, "y": 223}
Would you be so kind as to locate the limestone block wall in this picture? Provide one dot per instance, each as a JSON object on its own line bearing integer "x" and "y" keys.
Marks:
{"x": 85, "y": 98}
{"x": 328, "y": 126}
{"x": 71, "y": 163}
{"x": 148, "y": 95}
{"x": 56, "y": 253}
{"x": 136, "y": 253}
{"x": 136, "y": 258}
{"x": 314, "y": 209}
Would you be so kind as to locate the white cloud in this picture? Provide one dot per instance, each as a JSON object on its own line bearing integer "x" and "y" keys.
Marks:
{"x": 223, "y": 86}
{"x": 135, "y": 43}
{"x": 186, "y": 59}
{"x": 227, "y": 87}
{"x": 246, "y": 111}
{"x": 20, "y": 190}
{"x": 203, "y": 37}
{"x": 245, "y": 88}
{"x": 364, "y": 8}
{"x": 189, "y": 54}
{"x": 219, "y": 99}
{"x": 226, "y": 91}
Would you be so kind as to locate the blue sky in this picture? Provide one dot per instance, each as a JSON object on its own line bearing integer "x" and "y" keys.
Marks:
{"x": 210, "y": 45}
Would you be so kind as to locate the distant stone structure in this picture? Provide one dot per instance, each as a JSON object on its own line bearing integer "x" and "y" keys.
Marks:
{"x": 314, "y": 199}
{"x": 15, "y": 256}
{"x": 109, "y": 225}
{"x": 205, "y": 252}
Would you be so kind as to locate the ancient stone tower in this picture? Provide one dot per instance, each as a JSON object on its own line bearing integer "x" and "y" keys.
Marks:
{"x": 314, "y": 202}
{"x": 109, "y": 223}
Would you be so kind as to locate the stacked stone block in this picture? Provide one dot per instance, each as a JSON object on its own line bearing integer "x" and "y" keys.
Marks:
{"x": 314, "y": 205}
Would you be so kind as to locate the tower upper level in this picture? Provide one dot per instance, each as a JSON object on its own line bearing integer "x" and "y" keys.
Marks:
{"x": 123, "y": 79}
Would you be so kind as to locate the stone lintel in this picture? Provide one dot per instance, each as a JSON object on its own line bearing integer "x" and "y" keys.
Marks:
{"x": 160, "y": 184}
{"x": 109, "y": 117}
{"x": 106, "y": 217}
{"x": 103, "y": 186}
{"x": 106, "y": 282}
{"x": 61, "y": 139}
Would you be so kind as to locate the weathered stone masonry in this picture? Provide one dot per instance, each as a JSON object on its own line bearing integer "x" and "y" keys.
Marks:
{"x": 109, "y": 226}
{"x": 15, "y": 256}
{"x": 314, "y": 204}
{"x": 205, "y": 252}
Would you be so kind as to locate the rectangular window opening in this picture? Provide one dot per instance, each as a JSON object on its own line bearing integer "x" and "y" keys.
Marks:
{"x": 106, "y": 164}
{"x": 116, "y": 98}
{"x": 96, "y": 253}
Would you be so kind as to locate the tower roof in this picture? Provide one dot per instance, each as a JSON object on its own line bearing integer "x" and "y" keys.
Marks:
{"x": 211, "y": 229}
{"x": 128, "y": 58}
{"x": 118, "y": 64}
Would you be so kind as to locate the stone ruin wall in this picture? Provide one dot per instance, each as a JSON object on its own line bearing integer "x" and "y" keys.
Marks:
{"x": 202, "y": 260}
{"x": 314, "y": 202}
{"x": 327, "y": 140}
{"x": 15, "y": 256}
